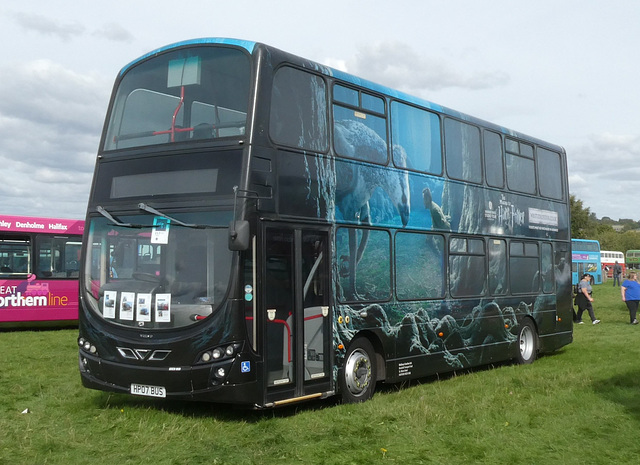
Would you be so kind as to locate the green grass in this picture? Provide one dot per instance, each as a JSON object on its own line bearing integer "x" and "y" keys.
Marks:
{"x": 579, "y": 405}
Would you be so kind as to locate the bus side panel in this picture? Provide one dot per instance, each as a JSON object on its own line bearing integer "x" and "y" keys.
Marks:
{"x": 38, "y": 300}
{"x": 352, "y": 192}
{"x": 424, "y": 338}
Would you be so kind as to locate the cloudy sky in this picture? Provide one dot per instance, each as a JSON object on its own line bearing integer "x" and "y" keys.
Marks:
{"x": 565, "y": 71}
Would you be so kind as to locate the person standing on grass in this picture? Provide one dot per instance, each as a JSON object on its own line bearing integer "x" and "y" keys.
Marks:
{"x": 584, "y": 299}
{"x": 630, "y": 290}
{"x": 617, "y": 271}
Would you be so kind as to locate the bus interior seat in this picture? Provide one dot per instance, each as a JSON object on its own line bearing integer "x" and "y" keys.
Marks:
{"x": 203, "y": 131}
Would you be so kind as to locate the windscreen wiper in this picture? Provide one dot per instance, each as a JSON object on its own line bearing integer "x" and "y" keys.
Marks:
{"x": 111, "y": 218}
{"x": 147, "y": 208}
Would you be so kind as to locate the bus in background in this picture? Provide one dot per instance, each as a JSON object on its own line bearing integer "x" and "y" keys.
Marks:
{"x": 632, "y": 259}
{"x": 585, "y": 258}
{"x": 39, "y": 266}
{"x": 263, "y": 230}
{"x": 608, "y": 258}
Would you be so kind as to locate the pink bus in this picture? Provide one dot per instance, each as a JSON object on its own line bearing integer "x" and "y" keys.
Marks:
{"x": 39, "y": 271}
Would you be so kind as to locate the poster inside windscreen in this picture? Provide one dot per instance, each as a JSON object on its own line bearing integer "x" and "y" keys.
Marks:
{"x": 160, "y": 231}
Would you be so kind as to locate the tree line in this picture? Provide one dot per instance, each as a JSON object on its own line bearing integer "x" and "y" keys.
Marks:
{"x": 585, "y": 225}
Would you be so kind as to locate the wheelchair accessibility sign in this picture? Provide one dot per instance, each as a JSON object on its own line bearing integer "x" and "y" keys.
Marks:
{"x": 245, "y": 367}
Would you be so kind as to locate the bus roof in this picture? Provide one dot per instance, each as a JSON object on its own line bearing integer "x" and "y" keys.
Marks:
{"x": 249, "y": 46}
{"x": 31, "y": 224}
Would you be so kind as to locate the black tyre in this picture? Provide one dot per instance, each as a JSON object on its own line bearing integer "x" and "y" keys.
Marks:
{"x": 527, "y": 342}
{"x": 359, "y": 374}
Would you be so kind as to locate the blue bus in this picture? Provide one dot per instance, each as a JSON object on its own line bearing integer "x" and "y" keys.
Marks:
{"x": 263, "y": 230}
{"x": 585, "y": 258}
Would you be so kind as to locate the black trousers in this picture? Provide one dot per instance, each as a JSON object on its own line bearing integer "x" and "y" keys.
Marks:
{"x": 632, "y": 305}
{"x": 588, "y": 307}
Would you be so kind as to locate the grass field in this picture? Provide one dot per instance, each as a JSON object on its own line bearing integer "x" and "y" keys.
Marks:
{"x": 579, "y": 405}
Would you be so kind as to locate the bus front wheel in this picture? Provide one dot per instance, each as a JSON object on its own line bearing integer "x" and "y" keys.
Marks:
{"x": 527, "y": 342}
{"x": 359, "y": 374}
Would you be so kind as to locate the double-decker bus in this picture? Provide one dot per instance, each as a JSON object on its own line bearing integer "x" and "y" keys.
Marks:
{"x": 39, "y": 268}
{"x": 632, "y": 259}
{"x": 585, "y": 258}
{"x": 609, "y": 258}
{"x": 263, "y": 229}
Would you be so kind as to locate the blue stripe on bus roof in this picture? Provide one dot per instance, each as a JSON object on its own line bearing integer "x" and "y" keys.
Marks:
{"x": 246, "y": 44}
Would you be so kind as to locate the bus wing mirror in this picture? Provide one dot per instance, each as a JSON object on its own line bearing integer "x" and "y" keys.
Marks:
{"x": 239, "y": 235}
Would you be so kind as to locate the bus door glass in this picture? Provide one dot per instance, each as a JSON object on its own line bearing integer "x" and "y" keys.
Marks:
{"x": 296, "y": 311}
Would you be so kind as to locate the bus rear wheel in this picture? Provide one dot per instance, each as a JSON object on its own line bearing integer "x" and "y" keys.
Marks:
{"x": 527, "y": 343}
{"x": 359, "y": 374}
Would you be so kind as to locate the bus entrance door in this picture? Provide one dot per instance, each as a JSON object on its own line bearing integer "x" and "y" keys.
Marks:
{"x": 296, "y": 313}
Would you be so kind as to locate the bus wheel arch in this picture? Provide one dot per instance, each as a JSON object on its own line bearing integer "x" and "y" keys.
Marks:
{"x": 361, "y": 370}
{"x": 527, "y": 342}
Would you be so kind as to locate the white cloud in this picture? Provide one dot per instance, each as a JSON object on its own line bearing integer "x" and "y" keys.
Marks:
{"x": 399, "y": 66}
{"x": 114, "y": 32}
{"x": 50, "y": 123}
{"x": 604, "y": 172}
{"x": 336, "y": 63}
{"x": 45, "y": 25}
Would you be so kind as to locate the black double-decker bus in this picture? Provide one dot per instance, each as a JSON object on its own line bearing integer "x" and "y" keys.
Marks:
{"x": 263, "y": 230}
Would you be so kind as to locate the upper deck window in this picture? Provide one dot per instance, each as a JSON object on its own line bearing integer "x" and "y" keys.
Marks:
{"x": 186, "y": 94}
{"x": 550, "y": 174}
{"x": 462, "y": 150}
{"x": 299, "y": 110}
{"x": 416, "y": 138}
{"x": 360, "y": 125}
{"x": 493, "y": 159}
{"x": 521, "y": 174}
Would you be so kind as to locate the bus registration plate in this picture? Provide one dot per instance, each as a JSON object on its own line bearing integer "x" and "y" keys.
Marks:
{"x": 149, "y": 391}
